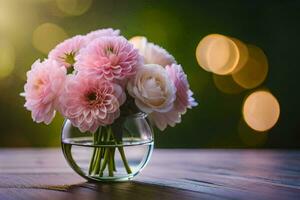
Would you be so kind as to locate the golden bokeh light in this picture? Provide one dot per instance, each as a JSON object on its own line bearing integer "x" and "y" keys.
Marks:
{"x": 139, "y": 42}
{"x": 250, "y": 136}
{"x": 243, "y": 54}
{"x": 47, "y": 36}
{"x": 202, "y": 49}
{"x": 6, "y": 15}
{"x": 17, "y": 20}
{"x": 255, "y": 71}
{"x": 226, "y": 84}
{"x": 261, "y": 110}
{"x": 74, "y": 7}
{"x": 7, "y": 58}
{"x": 220, "y": 54}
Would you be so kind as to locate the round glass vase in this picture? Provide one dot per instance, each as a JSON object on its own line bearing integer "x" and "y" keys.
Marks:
{"x": 116, "y": 152}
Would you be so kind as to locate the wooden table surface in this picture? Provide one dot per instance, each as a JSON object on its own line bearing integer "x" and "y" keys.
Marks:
{"x": 171, "y": 174}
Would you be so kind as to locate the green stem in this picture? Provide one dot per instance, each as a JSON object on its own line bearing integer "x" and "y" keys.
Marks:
{"x": 93, "y": 162}
{"x": 95, "y": 151}
{"x": 91, "y": 166}
{"x": 106, "y": 154}
{"x": 122, "y": 153}
{"x": 98, "y": 161}
{"x": 113, "y": 156}
{"x": 102, "y": 149}
{"x": 104, "y": 162}
{"x": 110, "y": 163}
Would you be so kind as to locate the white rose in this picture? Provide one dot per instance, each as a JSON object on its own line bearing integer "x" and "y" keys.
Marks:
{"x": 152, "y": 53}
{"x": 152, "y": 89}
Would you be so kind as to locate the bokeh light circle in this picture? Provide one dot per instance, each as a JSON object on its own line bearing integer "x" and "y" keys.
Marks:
{"x": 47, "y": 36}
{"x": 202, "y": 49}
{"x": 218, "y": 54}
{"x": 74, "y": 7}
{"x": 243, "y": 54}
{"x": 139, "y": 42}
{"x": 7, "y": 58}
{"x": 261, "y": 110}
{"x": 226, "y": 84}
{"x": 255, "y": 71}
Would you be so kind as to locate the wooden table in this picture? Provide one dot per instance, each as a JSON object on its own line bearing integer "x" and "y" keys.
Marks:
{"x": 171, "y": 174}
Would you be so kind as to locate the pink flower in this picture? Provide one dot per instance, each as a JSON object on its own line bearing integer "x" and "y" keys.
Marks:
{"x": 183, "y": 99}
{"x": 101, "y": 33}
{"x": 65, "y": 52}
{"x": 89, "y": 102}
{"x": 109, "y": 57}
{"x": 44, "y": 84}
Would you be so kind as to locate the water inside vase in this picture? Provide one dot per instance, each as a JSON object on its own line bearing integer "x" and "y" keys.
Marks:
{"x": 79, "y": 153}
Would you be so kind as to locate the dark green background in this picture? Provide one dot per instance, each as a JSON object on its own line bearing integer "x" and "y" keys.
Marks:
{"x": 178, "y": 26}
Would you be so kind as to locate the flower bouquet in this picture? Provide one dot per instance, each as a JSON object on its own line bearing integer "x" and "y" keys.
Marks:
{"x": 97, "y": 81}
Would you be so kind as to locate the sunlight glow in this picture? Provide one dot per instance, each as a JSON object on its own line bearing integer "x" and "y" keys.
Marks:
{"x": 139, "y": 42}
{"x": 47, "y": 36}
{"x": 7, "y": 58}
{"x": 74, "y": 7}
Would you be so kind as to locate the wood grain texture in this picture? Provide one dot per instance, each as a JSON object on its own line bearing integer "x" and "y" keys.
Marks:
{"x": 171, "y": 174}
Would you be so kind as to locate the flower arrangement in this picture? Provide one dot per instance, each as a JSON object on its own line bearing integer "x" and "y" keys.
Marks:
{"x": 96, "y": 79}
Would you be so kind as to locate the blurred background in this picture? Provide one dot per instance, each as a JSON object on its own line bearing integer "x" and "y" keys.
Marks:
{"x": 29, "y": 29}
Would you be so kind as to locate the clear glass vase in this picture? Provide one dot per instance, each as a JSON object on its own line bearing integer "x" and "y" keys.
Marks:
{"x": 117, "y": 152}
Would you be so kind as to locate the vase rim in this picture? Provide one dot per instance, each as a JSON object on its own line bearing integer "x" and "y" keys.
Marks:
{"x": 134, "y": 115}
{"x": 137, "y": 115}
